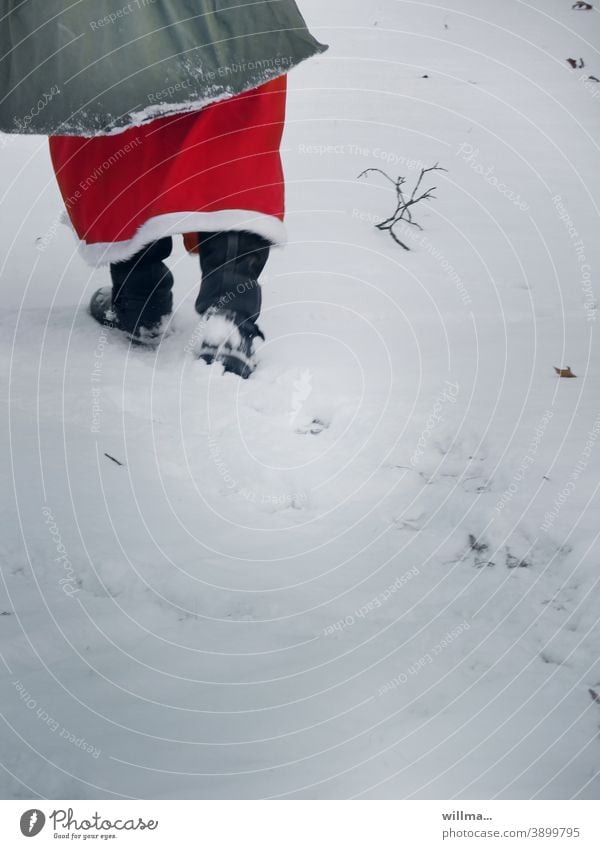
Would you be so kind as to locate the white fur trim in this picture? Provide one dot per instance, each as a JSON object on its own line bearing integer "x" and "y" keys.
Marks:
{"x": 173, "y": 223}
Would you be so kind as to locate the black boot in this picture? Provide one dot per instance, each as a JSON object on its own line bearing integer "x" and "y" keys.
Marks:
{"x": 141, "y": 294}
{"x": 230, "y": 298}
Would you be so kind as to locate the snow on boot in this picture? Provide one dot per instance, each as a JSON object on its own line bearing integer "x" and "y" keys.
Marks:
{"x": 229, "y": 343}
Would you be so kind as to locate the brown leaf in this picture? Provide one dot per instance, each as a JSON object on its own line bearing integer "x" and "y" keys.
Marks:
{"x": 564, "y": 372}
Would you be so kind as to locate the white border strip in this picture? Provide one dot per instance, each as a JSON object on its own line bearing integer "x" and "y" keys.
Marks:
{"x": 174, "y": 223}
{"x": 300, "y": 823}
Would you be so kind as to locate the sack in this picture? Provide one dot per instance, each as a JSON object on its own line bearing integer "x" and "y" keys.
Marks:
{"x": 97, "y": 68}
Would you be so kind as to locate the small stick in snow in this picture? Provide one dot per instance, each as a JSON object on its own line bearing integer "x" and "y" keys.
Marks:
{"x": 113, "y": 459}
{"x": 403, "y": 204}
{"x": 594, "y": 695}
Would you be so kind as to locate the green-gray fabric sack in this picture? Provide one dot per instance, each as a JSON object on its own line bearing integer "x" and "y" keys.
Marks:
{"x": 85, "y": 68}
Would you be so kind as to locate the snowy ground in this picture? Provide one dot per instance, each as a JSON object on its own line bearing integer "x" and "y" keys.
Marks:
{"x": 339, "y": 578}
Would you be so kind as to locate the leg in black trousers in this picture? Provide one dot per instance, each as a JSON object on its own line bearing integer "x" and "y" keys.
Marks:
{"x": 231, "y": 264}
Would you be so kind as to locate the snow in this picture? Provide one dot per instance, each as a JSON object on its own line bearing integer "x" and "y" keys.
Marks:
{"x": 216, "y": 330}
{"x": 371, "y": 570}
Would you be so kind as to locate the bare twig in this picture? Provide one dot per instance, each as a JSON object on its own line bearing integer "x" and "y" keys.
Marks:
{"x": 403, "y": 211}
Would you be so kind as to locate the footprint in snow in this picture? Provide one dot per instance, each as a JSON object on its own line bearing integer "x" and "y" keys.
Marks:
{"x": 313, "y": 428}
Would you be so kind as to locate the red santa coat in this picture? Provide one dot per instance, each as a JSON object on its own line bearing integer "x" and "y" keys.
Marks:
{"x": 216, "y": 169}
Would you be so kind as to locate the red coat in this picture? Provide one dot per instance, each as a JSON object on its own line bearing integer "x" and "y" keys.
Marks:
{"x": 216, "y": 169}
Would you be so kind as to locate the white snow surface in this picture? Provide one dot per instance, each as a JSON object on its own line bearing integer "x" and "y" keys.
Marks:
{"x": 372, "y": 569}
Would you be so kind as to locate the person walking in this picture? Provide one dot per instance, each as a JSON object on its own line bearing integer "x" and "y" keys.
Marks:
{"x": 165, "y": 117}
